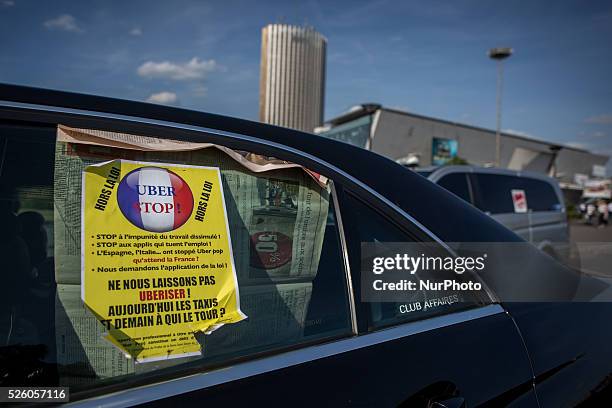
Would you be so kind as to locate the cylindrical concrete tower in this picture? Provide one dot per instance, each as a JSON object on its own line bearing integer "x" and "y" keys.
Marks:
{"x": 292, "y": 80}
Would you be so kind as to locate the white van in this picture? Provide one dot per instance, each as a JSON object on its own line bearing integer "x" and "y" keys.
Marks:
{"x": 530, "y": 204}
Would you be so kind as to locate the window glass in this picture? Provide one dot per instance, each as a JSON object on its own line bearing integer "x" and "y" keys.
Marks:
{"x": 284, "y": 241}
{"x": 541, "y": 196}
{"x": 27, "y": 311}
{"x": 367, "y": 225}
{"x": 493, "y": 192}
{"x": 456, "y": 183}
{"x": 355, "y": 132}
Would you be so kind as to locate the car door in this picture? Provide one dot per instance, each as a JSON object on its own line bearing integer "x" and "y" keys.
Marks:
{"x": 332, "y": 351}
{"x": 366, "y": 221}
{"x": 289, "y": 266}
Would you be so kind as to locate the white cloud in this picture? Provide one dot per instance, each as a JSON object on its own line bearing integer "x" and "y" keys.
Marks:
{"x": 605, "y": 119}
{"x": 164, "y": 98}
{"x": 193, "y": 69}
{"x": 136, "y": 31}
{"x": 65, "y": 22}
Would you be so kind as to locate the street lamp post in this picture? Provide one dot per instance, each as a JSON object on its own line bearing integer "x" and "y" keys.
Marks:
{"x": 499, "y": 54}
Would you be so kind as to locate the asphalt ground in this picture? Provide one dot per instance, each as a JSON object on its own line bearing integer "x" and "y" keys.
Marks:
{"x": 591, "y": 248}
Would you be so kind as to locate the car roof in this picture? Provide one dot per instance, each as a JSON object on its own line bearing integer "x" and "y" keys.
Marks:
{"x": 451, "y": 219}
{"x": 436, "y": 171}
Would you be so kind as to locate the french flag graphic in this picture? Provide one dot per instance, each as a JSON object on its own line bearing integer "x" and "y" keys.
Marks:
{"x": 155, "y": 199}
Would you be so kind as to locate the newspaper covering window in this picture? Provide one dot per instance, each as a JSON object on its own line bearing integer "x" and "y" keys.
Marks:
{"x": 277, "y": 214}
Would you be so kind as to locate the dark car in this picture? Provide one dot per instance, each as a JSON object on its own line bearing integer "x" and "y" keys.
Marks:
{"x": 309, "y": 339}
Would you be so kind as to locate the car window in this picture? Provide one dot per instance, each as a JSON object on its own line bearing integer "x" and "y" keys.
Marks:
{"x": 456, "y": 183}
{"x": 540, "y": 195}
{"x": 286, "y": 251}
{"x": 493, "y": 192}
{"x": 368, "y": 225}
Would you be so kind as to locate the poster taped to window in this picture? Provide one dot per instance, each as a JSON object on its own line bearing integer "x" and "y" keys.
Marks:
{"x": 519, "y": 200}
{"x": 157, "y": 262}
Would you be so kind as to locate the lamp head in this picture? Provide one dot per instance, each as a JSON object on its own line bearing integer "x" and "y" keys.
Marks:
{"x": 500, "y": 53}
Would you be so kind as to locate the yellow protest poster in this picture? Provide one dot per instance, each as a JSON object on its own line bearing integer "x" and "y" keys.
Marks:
{"x": 157, "y": 262}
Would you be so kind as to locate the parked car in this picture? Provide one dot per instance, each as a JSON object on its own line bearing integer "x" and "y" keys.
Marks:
{"x": 541, "y": 219}
{"x": 308, "y": 341}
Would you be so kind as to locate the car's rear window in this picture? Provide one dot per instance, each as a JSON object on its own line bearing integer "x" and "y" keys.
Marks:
{"x": 493, "y": 193}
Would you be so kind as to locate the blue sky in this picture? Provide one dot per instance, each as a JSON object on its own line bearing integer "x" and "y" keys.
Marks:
{"x": 425, "y": 57}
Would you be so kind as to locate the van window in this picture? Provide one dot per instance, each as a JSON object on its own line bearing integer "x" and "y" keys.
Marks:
{"x": 284, "y": 238}
{"x": 540, "y": 195}
{"x": 456, "y": 183}
{"x": 367, "y": 225}
{"x": 493, "y": 193}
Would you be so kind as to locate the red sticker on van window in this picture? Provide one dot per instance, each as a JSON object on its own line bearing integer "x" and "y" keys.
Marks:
{"x": 519, "y": 199}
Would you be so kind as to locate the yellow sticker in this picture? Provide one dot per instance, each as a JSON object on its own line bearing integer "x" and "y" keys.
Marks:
{"x": 157, "y": 262}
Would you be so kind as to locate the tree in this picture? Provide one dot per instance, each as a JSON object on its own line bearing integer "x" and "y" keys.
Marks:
{"x": 456, "y": 161}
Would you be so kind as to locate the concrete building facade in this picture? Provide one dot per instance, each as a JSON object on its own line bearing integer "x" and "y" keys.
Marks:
{"x": 292, "y": 76}
{"x": 410, "y": 138}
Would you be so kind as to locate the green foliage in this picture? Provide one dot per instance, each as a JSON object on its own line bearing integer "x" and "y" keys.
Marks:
{"x": 456, "y": 161}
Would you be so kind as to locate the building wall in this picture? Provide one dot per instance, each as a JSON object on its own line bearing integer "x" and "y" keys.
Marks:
{"x": 292, "y": 77}
{"x": 572, "y": 161}
{"x": 398, "y": 134}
